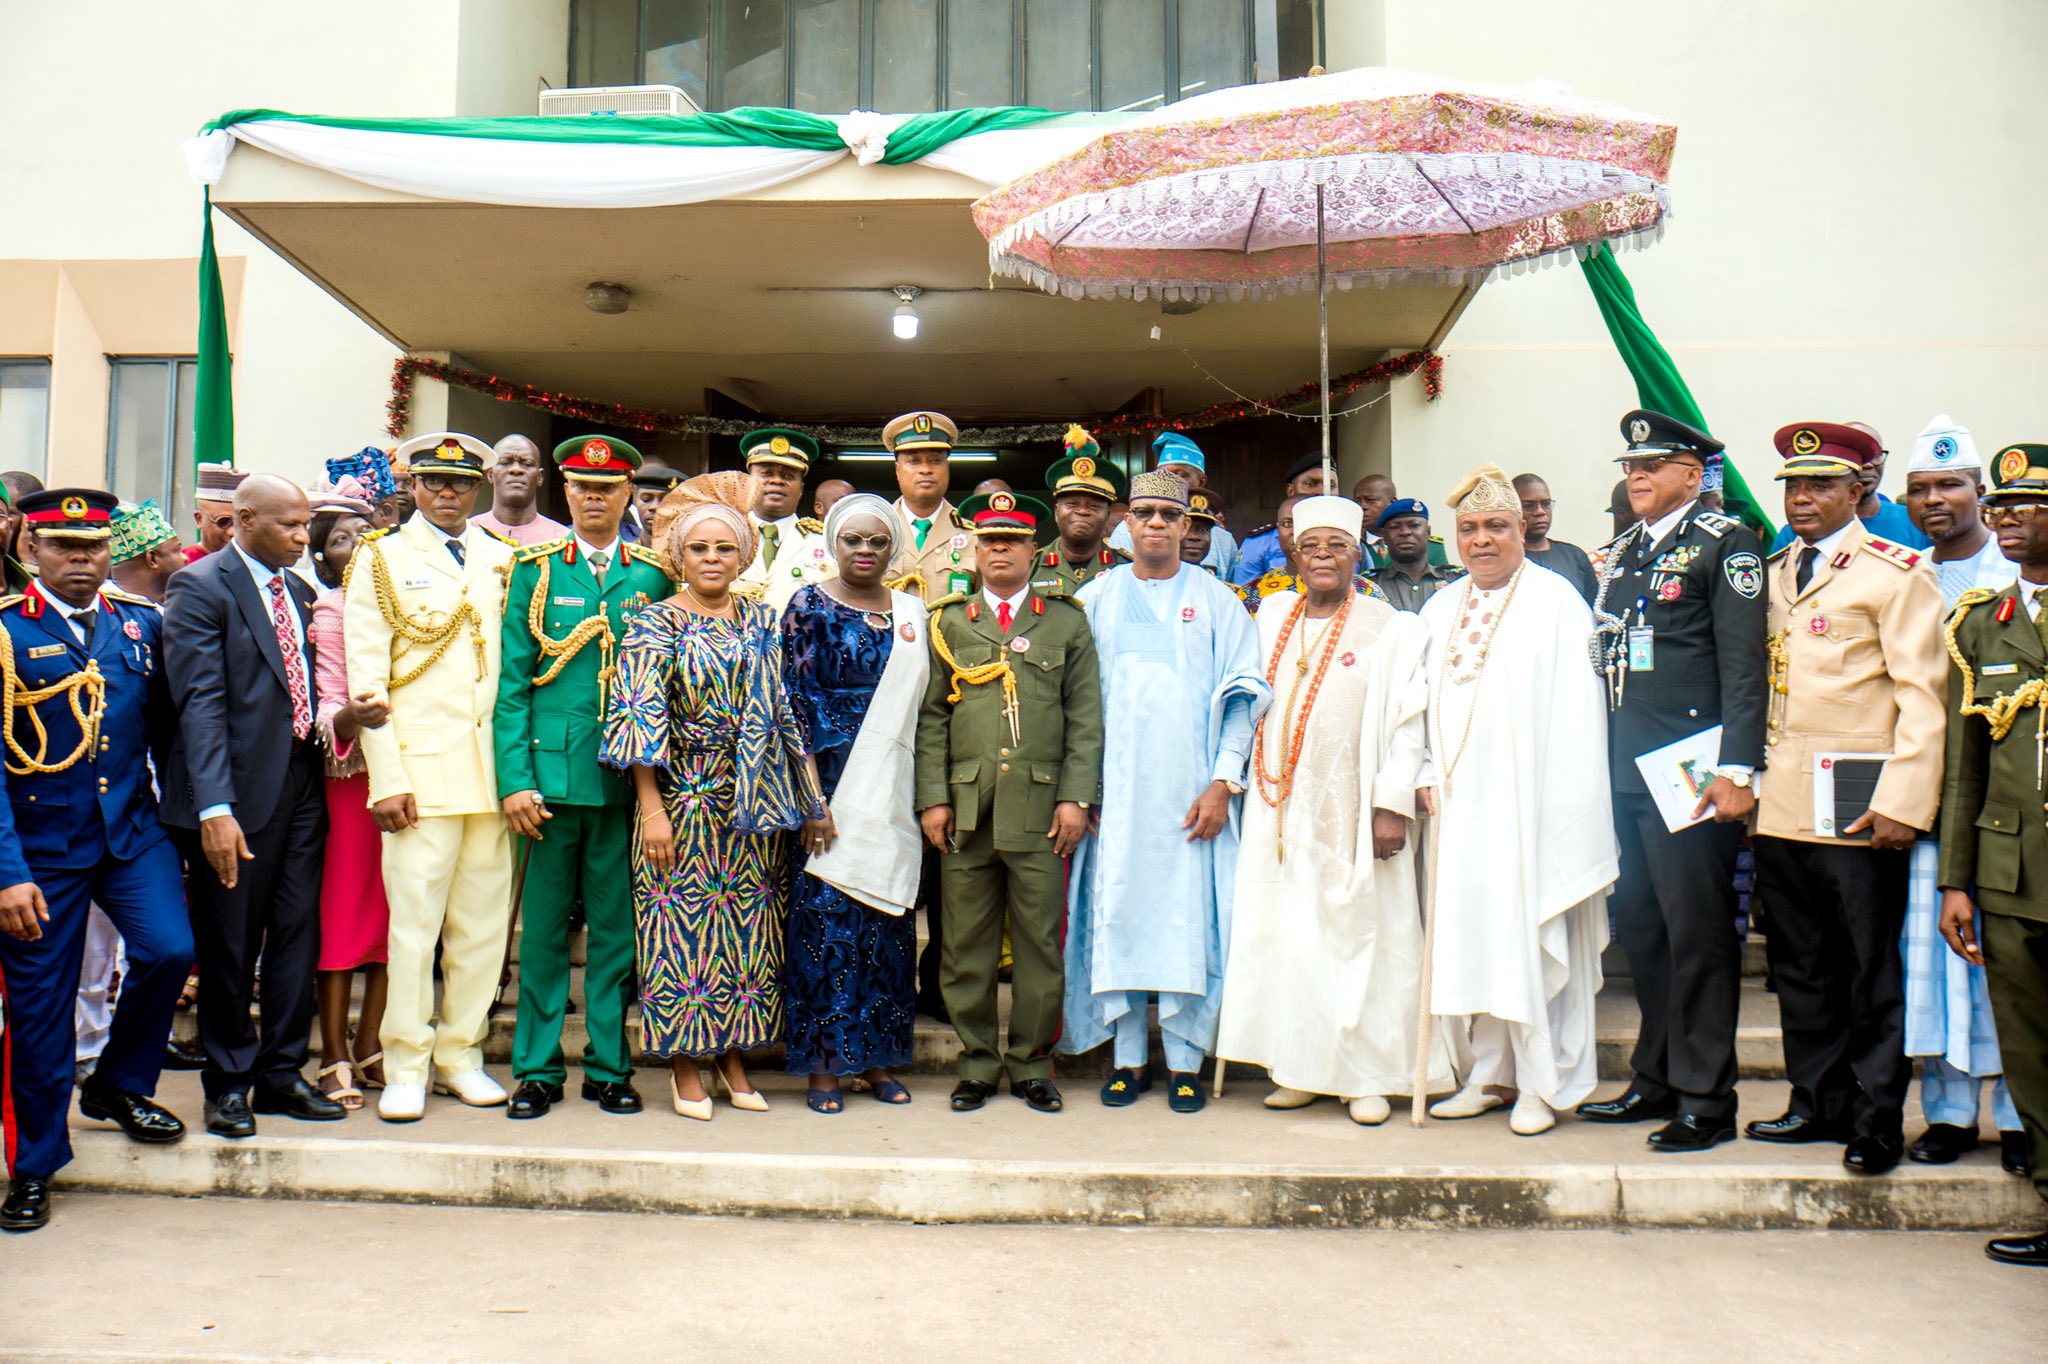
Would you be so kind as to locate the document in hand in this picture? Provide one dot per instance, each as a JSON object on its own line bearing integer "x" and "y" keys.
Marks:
{"x": 1678, "y": 774}
{"x": 1843, "y": 784}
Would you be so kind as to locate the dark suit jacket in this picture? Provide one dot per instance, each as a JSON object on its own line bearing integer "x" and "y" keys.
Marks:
{"x": 227, "y": 675}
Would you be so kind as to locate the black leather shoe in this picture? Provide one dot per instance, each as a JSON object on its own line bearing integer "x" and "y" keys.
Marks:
{"x": 613, "y": 1096}
{"x": 933, "y": 1007}
{"x": 140, "y": 1116}
{"x": 178, "y": 1056}
{"x": 1691, "y": 1132}
{"x": 970, "y": 1095}
{"x": 229, "y": 1117}
{"x": 1942, "y": 1144}
{"x": 1874, "y": 1155}
{"x": 28, "y": 1206}
{"x": 1042, "y": 1095}
{"x": 1792, "y": 1128}
{"x": 296, "y": 1099}
{"x": 532, "y": 1099}
{"x": 2012, "y": 1153}
{"x": 2031, "y": 1251}
{"x": 1630, "y": 1107}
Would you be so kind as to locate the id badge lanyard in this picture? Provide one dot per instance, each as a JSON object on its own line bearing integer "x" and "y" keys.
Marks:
{"x": 1642, "y": 642}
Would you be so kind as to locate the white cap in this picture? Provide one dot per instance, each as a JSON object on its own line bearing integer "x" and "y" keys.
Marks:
{"x": 1944, "y": 445}
{"x": 1324, "y": 512}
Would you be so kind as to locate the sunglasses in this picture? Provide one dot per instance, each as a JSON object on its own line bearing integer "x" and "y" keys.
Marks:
{"x": 1649, "y": 464}
{"x": 2020, "y": 513}
{"x": 1172, "y": 516}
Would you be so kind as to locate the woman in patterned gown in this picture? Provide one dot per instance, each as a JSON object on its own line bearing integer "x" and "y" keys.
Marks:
{"x": 698, "y": 718}
{"x": 850, "y": 977}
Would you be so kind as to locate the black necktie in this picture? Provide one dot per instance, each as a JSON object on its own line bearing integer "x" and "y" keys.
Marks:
{"x": 84, "y": 621}
{"x": 1808, "y": 557}
{"x": 455, "y": 548}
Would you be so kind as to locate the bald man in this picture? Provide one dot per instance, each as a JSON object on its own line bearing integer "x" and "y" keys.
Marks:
{"x": 517, "y": 476}
{"x": 830, "y": 491}
{"x": 244, "y": 795}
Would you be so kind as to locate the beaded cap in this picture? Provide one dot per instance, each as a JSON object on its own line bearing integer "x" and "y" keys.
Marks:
{"x": 1486, "y": 488}
{"x": 1160, "y": 486}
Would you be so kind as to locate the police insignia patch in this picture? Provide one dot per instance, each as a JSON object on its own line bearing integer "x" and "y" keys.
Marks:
{"x": 1639, "y": 430}
{"x": 1745, "y": 573}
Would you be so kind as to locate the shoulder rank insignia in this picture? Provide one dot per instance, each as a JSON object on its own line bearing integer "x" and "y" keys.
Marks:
{"x": 1975, "y": 596}
{"x": 1052, "y": 558}
{"x": 1897, "y": 554}
{"x": 655, "y": 557}
{"x": 1780, "y": 553}
{"x": 810, "y": 525}
{"x": 129, "y": 597}
{"x": 12, "y": 599}
{"x": 499, "y": 537}
{"x": 528, "y": 553}
{"x": 1714, "y": 523}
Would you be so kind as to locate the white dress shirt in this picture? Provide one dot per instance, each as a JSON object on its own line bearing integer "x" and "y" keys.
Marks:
{"x": 995, "y": 602}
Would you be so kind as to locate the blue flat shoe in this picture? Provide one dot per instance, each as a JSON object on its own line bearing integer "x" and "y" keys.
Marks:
{"x": 1184, "y": 1092}
{"x": 824, "y": 1101}
{"x": 1124, "y": 1086}
{"x": 892, "y": 1092}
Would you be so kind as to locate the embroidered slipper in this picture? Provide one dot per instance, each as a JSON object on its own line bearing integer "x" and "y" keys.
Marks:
{"x": 1124, "y": 1086}
{"x": 1184, "y": 1092}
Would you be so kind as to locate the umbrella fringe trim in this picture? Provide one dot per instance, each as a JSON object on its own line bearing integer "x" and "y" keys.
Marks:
{"x": 1197, "y": 291}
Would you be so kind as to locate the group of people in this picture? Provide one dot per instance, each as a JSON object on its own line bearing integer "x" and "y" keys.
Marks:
{"x": 1367, "y": 834}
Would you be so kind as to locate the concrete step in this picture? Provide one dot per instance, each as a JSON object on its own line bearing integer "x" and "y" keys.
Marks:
{"x": 1759, "y": 1047}
{"x": 1234, "y": 1165}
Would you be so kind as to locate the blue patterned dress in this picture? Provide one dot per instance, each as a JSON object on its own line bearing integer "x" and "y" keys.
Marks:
{"x": 850, "y": 975}
{"x": 701, "y": 702}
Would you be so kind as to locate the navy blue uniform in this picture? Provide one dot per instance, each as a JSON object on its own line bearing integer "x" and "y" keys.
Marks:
{"x": 86, "y": 834}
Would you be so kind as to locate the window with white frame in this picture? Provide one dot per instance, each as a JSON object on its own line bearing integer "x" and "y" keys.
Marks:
{"x": 25, "y": 415}
{"x": 149, "y": 433}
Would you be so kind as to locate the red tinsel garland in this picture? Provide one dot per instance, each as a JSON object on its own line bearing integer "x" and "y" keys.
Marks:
{"x": 398, "y": 411}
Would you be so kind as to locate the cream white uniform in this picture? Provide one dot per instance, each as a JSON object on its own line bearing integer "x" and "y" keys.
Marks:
{"x": 449, "y": 876}
{"x": 795, "y": 554}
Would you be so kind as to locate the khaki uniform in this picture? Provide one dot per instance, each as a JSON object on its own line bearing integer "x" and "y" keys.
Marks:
{"x": 948, "y": 553}
{"x": 449, "y": 877}
{"x": 1855, "y": 667}
{"x": 1003, "y": 789}
{"x": 1994, "y": 832}
{"x": 798, "y": 556}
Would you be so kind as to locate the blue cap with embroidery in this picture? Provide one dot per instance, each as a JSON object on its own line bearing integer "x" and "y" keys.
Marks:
{"x": 1401, "y": 506}
{"x": 1171, "y": 447}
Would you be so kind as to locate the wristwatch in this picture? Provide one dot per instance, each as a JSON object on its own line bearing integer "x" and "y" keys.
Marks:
{"x": 1737, "y": 779}
{"x": 1235, "y": 788}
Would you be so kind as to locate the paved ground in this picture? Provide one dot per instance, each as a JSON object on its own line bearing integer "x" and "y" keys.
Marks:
{"x": 159, "y": 1279}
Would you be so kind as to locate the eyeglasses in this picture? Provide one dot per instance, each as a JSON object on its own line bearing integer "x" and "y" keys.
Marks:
{"x": 706, "y": 547}
{"x": 222, "y": 522}
{"x": 442, "y": 483}
{"x": 874, "y": 543}
{"x": 1649, "y": 464}
{"x": 1172, "y": 516}
{"x": 2020, "y": 512}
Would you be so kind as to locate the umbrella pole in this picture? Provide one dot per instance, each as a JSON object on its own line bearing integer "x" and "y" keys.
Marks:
{"x": 1323, "y": 330}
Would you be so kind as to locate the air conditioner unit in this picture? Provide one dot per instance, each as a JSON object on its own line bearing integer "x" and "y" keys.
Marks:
{"x": 616, "y": 100}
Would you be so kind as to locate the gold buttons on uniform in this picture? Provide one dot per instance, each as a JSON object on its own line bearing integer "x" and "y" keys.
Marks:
{"x": 1003, "y": 766}
{"x": 1006, "y": 753}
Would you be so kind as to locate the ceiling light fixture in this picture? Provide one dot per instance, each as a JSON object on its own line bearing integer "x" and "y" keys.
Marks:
{"x": 609, "y": 299}
{"x": 904, "y": 320}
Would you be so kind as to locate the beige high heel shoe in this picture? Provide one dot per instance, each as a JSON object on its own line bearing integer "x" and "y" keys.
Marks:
{"x": 749, "y": 1101}
{"x": 700, "y": 1109}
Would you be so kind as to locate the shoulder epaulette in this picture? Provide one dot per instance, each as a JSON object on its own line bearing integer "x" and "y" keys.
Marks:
{"x": 12, "y": 599}
{"x": 635, "y": 550}
{"x": 1436, "y": 539}
{"x": 1056, "y": 590}
{"x": 1780, "y": 552}
{"x": 377, "y": 534}
{"x": 118, "y": 595}
{"x": 1454, "y": 570}
{"x": 528, "y": 553}
{"x": 1122, "y": 555}
{"x": 950, "y": 599}
{"x": 1260, "y": 531}
{"x": 499, "y": 536}
{"x": 1714, "y": 523}
{"x": 810, "y": 525}
{"x": 1891, "y": 553}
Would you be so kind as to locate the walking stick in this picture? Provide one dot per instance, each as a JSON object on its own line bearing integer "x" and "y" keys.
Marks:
{"x": 518, "y": 894}
{"x": 1418, "y": 1113}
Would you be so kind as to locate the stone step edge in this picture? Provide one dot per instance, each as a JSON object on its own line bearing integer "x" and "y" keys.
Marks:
{"x": 960, "y": 1190}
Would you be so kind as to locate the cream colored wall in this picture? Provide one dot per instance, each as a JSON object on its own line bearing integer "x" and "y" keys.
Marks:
{"x": 1856, "y": 237}
{"x": 103, "y": 180}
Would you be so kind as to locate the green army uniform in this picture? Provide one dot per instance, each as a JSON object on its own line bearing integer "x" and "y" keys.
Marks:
{"x": 1438, "y": 556}
{"x": 1055, "y": 575}
{"x": 1994, "y": 808}
{"x": 1003, "y": 773}
{"x": 1081, "y": 470}
{"x": 561, "y": 635}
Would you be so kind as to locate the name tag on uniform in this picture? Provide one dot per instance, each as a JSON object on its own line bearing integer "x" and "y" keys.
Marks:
{"x": 1988, "y": 670}
{"x": 570, "y": 601}
{"x": 956, "y": 582}
{"x": 418, "y": 582}
{"x": 46, "y": 651}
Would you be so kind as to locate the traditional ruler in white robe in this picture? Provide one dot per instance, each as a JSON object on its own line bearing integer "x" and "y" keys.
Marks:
{"x": 1325, "y": 969}
{"x": 1526, "y": 848}
{"x": 1149, "y": 910}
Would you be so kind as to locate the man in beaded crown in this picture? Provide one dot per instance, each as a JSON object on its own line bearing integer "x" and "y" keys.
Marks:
{"x": 1518, "y": 736}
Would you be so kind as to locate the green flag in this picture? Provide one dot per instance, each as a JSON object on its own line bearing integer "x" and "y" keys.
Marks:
{"x": 1659, "y": 386}
{"x": 213, "y": 406}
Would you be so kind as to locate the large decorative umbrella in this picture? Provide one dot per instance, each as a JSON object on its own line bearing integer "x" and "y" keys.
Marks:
{"x": 1363, "y": 177}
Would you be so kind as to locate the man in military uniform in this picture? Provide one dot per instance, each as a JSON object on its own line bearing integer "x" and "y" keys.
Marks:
{"x": 1681, "y": 600}
{"x": 565, "y": 614}
{"x": 1993, "y": 833}
{"x": 1083, "y": 485}
{"x": 793, "y": 549}
{"x": 652, "y": 481}
{"x": 1410, "y": 576}
{"x": 1009, "y": 762}
{"x": 78, "y": 827}
{"x": 422, "y": 618}
{"x": 1855, "y": 667}
{"x": 935, "y": 551}
{"x": 1205, "y": 522}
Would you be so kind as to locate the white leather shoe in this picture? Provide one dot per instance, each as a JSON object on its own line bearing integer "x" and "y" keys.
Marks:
{"x": 402, "y": 1103}
{"x": 1531, "y": 1117}
{"x": 472, "y": 1087}
{"x": 1370, "y": 1110}
{"x": 1284, "y": 1097}
{"x": 1468, "y": 1102}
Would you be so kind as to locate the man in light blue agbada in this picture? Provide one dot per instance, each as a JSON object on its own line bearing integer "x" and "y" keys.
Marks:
{"x": 1150, "y": 890}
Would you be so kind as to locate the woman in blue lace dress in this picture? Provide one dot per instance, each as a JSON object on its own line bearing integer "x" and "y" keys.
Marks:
{"x": 849, "y": 974}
